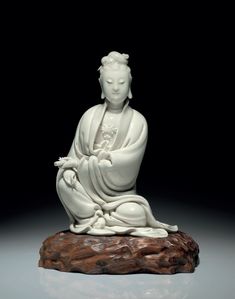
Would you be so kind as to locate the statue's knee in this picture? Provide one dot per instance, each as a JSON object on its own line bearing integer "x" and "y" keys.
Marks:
{"x": 67, "y": 179}
{"x": 61, "y": 185}
{"x": 68, "y": 174}
{"x": 132, "y": 211}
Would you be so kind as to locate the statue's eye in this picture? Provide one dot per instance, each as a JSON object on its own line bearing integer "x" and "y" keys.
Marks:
{"x": 121, "y": 82}
{"x": 109, "y": 81}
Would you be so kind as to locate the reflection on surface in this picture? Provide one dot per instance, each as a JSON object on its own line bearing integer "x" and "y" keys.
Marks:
{"x": 61, "y": 285}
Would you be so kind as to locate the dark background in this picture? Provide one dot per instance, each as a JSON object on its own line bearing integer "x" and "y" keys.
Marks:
{"x": 180, "y": 84}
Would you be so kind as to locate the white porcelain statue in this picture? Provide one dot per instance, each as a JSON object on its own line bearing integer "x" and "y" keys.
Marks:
{"x": 96, "y": 181}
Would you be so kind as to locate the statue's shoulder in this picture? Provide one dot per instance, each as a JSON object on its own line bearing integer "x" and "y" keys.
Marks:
{"x": 92, "y": 109}
{"x": 87, "y": 116}
{"x": 139, "y": 117}
{"x": 89, "y": 113}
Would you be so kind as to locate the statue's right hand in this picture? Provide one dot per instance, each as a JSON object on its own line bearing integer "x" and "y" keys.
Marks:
{"x": 71, "y": 163}
{"x": 60, "y": 162}
{"x": 66, "y": 162}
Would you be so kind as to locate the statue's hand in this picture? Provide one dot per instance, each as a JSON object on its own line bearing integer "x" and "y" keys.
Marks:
{"x": 66, "y": 163}
{"x": 60, "y": 162}
{"x": 104, "y": 155}
{"x": 72, "y": 163}
{"x": 105, "y": 163}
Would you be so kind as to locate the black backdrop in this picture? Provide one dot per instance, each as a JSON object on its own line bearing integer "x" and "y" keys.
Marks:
{"x": 51, "y": 80}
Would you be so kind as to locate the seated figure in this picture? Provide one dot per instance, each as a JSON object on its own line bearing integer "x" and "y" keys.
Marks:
{"x": 96, "y": 181}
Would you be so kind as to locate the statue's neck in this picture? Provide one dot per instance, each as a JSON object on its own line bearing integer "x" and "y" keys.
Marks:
{"x": 114, "y": 108}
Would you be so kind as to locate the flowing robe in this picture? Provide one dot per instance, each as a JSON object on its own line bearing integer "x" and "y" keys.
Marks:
{"x": 98, "y": 188}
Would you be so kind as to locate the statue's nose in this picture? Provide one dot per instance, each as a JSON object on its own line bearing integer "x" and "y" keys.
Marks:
{"x": 115, "y": 87}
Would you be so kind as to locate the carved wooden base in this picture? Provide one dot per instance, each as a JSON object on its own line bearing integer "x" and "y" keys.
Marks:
{"x": 69, "y": 252}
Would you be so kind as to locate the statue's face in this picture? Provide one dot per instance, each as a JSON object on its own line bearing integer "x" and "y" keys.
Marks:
{"x": 115, "y": 85}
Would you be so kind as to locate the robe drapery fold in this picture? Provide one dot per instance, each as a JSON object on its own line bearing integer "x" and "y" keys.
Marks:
{"x": 96, "y": 189}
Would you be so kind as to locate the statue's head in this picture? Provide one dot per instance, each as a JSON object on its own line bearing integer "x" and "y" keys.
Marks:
{"x": 115, "y": 77}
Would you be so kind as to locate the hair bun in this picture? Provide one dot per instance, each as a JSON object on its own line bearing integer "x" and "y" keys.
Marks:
{"x": 126, "y": 56}
{"x": 115, "y": 57}
{"x": 106, "y": 60}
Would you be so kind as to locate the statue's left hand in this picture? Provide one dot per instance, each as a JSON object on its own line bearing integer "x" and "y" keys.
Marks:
{"x": 104, "y": 155}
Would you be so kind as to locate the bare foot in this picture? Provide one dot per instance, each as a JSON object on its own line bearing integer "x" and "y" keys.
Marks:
{"x": 100, "y": 223}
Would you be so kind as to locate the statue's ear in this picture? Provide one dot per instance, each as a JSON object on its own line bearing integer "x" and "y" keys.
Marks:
{"x": 129, "y": 94}
{"x": 102, "y": 93}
